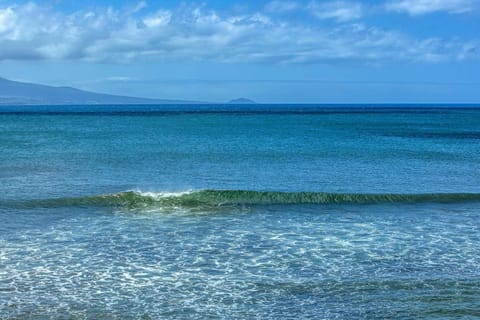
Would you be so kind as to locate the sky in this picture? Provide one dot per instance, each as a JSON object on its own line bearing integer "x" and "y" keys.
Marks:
{"x": 291, "y": 51}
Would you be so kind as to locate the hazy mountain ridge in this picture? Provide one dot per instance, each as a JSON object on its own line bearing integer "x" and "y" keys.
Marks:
{"x": 15, "y": 92}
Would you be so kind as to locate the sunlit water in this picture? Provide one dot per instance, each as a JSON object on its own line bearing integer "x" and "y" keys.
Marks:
{"x": 75, "y": 244}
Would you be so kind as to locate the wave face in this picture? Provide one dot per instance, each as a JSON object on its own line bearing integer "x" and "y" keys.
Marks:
{"x": 215, "y": 199}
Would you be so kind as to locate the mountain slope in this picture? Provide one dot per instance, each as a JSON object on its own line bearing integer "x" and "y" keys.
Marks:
{"x": 14, "y": 92}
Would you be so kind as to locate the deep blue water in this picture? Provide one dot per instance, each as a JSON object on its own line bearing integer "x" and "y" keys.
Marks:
{"x": 309, "y": 212}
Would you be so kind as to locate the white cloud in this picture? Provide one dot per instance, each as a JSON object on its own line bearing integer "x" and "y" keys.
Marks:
{"x": 188, "y": 33}
{"x": 339, "y": 10}
{"x": 7, "y": 19}
{"x": 419, "y": 7}
{"x": 118, "y": 79}
{"x": 281, "y": 6}
{"x": 139, "y": 6}
{"x": 161, "y": 18}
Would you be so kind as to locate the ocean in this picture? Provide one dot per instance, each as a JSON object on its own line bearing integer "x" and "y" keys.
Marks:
{"x": 239, "y": 212}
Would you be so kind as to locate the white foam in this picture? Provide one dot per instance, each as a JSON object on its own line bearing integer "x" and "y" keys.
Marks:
{"x": 163, "y": 194}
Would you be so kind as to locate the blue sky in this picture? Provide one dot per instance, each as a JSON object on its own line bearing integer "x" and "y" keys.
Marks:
{"x": 314, "y": 51}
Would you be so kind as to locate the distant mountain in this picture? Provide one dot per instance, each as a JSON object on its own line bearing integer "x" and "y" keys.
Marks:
{"x": 21, "y": 93}
{"x": 242, "y": 101}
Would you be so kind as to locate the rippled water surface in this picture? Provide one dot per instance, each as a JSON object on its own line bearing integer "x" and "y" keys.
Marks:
{"x": 325, "y": 214}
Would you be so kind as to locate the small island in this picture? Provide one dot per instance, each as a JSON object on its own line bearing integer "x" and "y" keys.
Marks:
{"x": 241, "y": 101}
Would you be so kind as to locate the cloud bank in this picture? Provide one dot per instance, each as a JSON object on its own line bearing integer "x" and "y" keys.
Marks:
{"x": 341, "y": 11}
{"x": 421, "y": 7}
{"x": 196, "y": 33}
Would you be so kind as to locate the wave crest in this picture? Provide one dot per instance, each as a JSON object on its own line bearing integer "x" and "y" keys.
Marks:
{"x": 214, "y": 199}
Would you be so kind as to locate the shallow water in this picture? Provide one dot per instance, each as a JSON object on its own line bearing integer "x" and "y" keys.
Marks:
{"x": 66, "y": 252}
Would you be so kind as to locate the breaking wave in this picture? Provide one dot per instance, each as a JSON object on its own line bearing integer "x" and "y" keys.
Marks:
{"x": 214, "y": 199}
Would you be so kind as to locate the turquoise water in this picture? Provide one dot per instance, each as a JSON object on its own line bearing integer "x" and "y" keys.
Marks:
{"x": 265, "y": 212}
